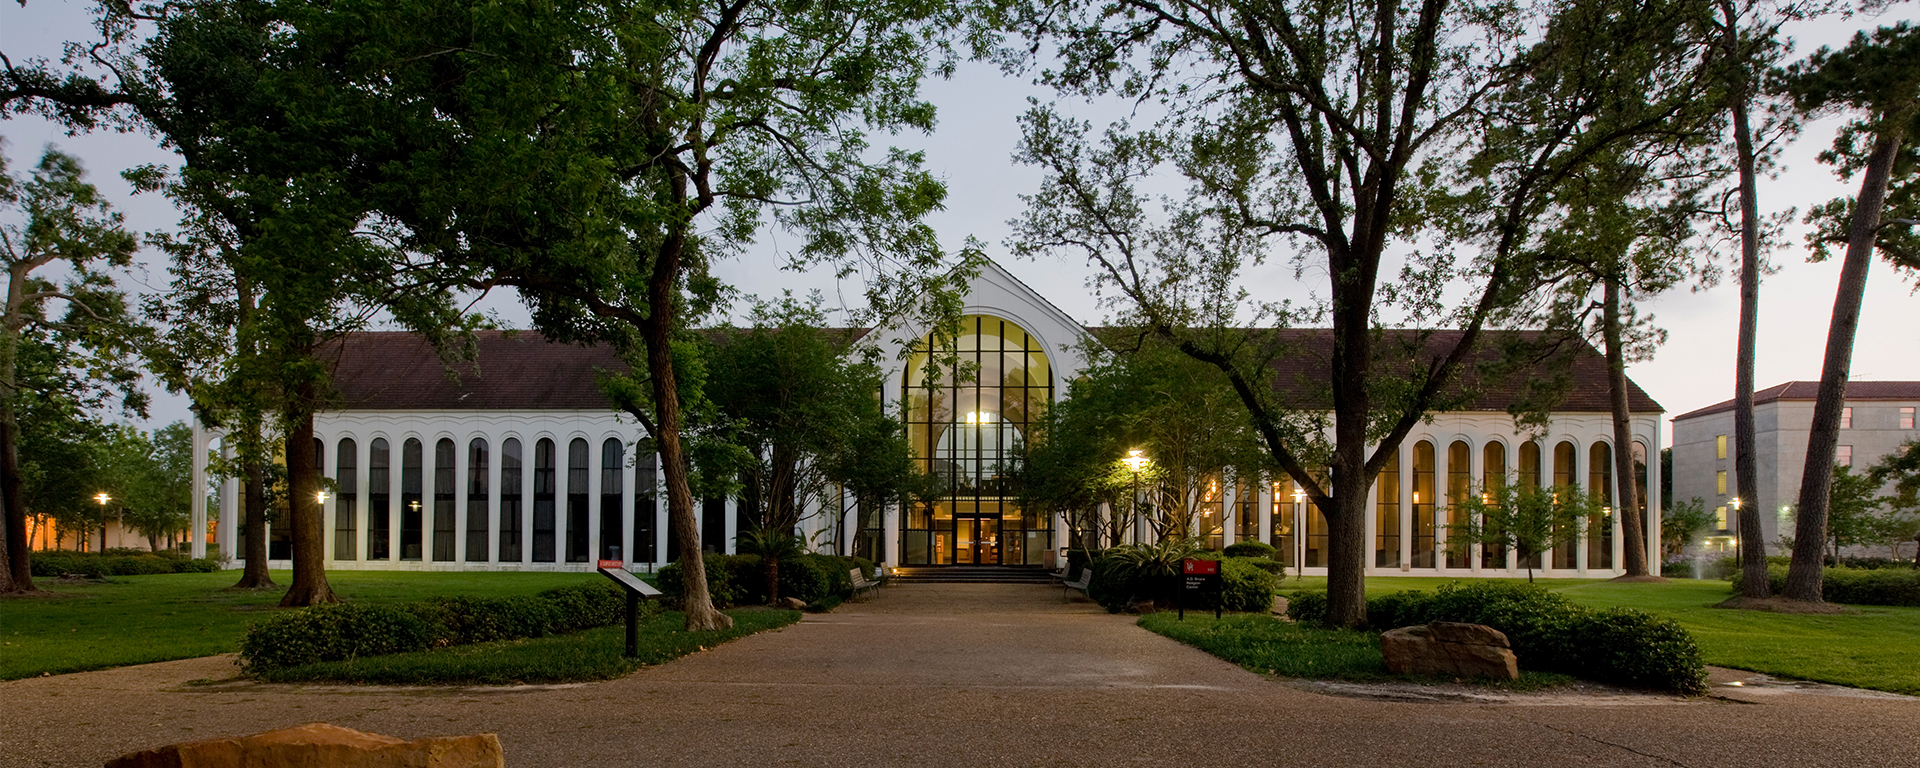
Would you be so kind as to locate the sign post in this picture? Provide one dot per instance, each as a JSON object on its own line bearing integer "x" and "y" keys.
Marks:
{"x": 1200, "y": 577}
{"x": 636, "y": 591}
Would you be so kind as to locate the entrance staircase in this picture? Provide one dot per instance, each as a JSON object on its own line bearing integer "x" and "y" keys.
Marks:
{"x": 971, "y": 574}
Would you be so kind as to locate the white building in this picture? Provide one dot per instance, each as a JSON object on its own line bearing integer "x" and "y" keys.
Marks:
{"x": 1878, "y": 417}
{"x": 522, "y": 464}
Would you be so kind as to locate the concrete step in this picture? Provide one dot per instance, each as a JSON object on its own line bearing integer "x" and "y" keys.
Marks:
{"x": 971, "y": 574}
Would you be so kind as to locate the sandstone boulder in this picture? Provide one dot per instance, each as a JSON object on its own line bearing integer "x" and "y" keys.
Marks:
{"x": 793, "y": 603}
{"x": 319, "y": 745}
{"x": 1449, "y": 649}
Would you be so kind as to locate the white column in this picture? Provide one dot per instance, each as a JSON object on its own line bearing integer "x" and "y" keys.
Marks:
{"x": 496, "y": 458}
{"x": 462, "y": 464}
{"x": 1442, "y": 499}
{"x": 1229, "y": 511}
{"x": 1654, "y": 511}
{"x": 197, "y": 522}
{"x": 594, "y": 462}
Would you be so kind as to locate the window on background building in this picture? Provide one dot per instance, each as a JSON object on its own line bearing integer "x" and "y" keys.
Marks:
{"x": 346, "y": 498}
{"x": 1906, "y": 417}
{"x": 646, "y": 514}
{"x": 1564, "y": 456}
{"x": 1720, "y": 447}
{"x": 1846, "y": 418}
{"x": 543, "y": 501}
{"x": 1212, "y": 507}
{"x": 1600, "y": 479}
{"x": 1246, "y": 510}
{"x": 1720, "y": 482}
{"x": 1720, "y": 518}
{"x": 477, "y": 511}
{"x": 1493, "y": 476}
{"x": 510, "y": 528}
{"x": 1283, "y": 533}
{"x": 1843, "y": 455}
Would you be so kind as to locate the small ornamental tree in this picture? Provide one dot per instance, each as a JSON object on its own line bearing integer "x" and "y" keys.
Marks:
{"x": 1529, "y": 519}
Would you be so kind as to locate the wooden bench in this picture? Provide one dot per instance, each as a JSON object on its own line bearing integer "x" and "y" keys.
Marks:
{"x": 860, "y": 582}
{"x": 1086, "y": 579}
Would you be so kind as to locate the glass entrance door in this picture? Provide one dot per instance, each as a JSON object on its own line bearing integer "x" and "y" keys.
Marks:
{"x": 976, "y": 541}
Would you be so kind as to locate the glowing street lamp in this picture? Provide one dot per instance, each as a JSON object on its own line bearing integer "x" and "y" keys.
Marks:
{"x": 1136, "y": 461}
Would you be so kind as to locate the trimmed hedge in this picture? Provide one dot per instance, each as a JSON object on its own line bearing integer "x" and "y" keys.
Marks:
{"x": 1547, "y": 631}
{"x": 1247, "y": 584}
{"x": 350, "y": 630}
{"x": 739, "y": 579}
{"x": 1855, "y": 586}
{"x": 56, "y": 563}
{"x": 1249, "y": 549}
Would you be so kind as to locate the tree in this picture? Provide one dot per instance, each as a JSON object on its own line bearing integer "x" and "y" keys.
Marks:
{"x": 1902, "y": 469}
{"x": 1529, "y": 519}
{"x": 63, "y": 219}
{"x": 1855, "y": 510}
{"x": 1341, "y": 129}
{"x": 151, "y": 476}
{"x": 1681, "y": 524}
{"x": 598, "y": 158}
{"x": 1878, "y": 78}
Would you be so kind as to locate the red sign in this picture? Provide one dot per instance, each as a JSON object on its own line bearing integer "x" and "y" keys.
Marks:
{"x": 612, "y": 564}
{"x": 1201, "y": 567}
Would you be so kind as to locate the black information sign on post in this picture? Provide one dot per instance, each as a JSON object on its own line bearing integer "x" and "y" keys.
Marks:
{"x": 636, "y": 591}
{"x": 1199, "y": 577}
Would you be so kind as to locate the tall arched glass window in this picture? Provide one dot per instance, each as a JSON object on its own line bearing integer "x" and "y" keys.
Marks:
{"x": 1459, "y": 484}
{"x": 1493, "y": 477}
{"x": 613, "y": 459}
{"x": 1600, "y": 484}
{"x": 477, "y": 511}
{"x": 1386, "y": 514}
{"x": 970, "y": 395}
{"x": 1564, "y": 456}
{"x": 443, "y": 496}
{"x": 1213, "y": 504}
{"x": 346, "y": 501}
{"x": 411, "y": 511}
{"x": 646, "y": 525}
{"x": 578, "y": 531}
{"x": 379, "y": 499}
{"x": 1531, "y": 474}
{"x": 1424, "y": 503}
{"x": 1246, "y": 510}
{"x": 543, "y": 502}
{"x": 511, "y": 529}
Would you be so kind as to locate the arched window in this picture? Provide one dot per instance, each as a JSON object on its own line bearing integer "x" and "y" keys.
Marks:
{"x": 477, "y": 511}
{"x": 346, "y": 500}
{"x": 1564, "y": 455}
{"x": 577, "y": 528}
{"x": 543, "y": 502}
{"x": 1386, "y": 523}
{"x": 1531, "y": 475}
{"x": 646, "y": 525}
{"x": 379, "y": 499}
{"x": 443, "y": 495}
{"x": 1493, "y": 477}
{"x": 1423, "y": 505}
{"x": 410, "y": 500}
{"x": 511, "y": 530}
{"x": 1600, "y": 484}
{"x": 1459, "y": 484}
{"x": 613, "y": 459}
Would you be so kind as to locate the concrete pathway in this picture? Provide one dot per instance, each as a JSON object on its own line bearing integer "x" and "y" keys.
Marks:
{"x": 960, "y": 675}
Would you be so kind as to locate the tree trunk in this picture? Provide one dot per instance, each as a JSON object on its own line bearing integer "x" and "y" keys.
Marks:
{"x": 1754, "y": 582}
{"x": 1805, "y": 575}
{"x": 255, "y": 575}
{"x": 310, "y": 585}
{"x": 13, "y": 487}
{"x": 657, "y": 333}
{"x": 1632, "y": 527}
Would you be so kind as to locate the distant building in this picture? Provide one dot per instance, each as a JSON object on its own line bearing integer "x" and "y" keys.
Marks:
{"x": 1879, "y": 416}
{"x": 523, "y": 465}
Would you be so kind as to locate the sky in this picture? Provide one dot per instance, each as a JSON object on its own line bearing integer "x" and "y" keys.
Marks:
{"x": 971, "y": 150}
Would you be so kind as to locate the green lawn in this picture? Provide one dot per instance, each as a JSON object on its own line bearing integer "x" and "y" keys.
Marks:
{"x": 1874, "y": 647}
{"x": 140, "y": 619}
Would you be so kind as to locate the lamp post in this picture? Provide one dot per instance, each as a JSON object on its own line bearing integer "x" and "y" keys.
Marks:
{"x": 103, "y": 498}
{"x": 1736, "y": 517}
{"x": 1299, "y": 533}
{"x": 1135, "y": 461}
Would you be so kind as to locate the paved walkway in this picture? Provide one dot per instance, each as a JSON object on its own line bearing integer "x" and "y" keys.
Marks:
{"x": 957, "y": 675}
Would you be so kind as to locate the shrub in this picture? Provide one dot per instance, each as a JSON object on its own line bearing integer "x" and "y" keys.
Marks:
{"x": 332, "y": 633}
{"x": 807, "y": 578}
{"x": 465, "y": 620}
{"x": 1249, "y": 549}
{"x": 1548, "y": 633}
{"x": 115, "y": 562}
{"x": 720, "y": 584}
{"x": 584, "y": 606}
{"x": 1884, "y": 586}
{"x": 1133, "y": 573}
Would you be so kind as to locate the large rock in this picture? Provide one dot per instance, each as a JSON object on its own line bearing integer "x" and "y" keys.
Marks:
{"x": 319, "y": 745}
{"x": 1449, "y": 649}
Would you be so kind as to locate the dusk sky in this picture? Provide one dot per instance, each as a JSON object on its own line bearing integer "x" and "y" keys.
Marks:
{"x": 972, "y": 148}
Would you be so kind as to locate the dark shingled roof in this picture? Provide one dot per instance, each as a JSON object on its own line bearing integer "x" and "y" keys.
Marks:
{"x": 513, "y": 370}
{"x": 521, "y": 370}
{"x": 1304, "y": 368}
{"x": 1809, "y": 390}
